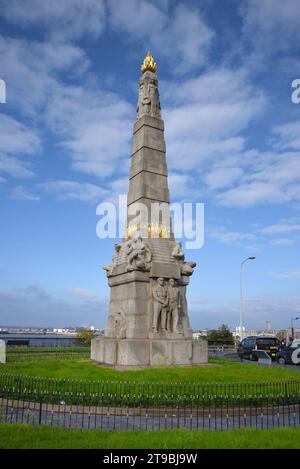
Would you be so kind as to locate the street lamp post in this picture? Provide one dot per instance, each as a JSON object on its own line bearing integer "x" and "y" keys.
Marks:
{"x": 241, "y": 294}
{"x": 292, "y": 324}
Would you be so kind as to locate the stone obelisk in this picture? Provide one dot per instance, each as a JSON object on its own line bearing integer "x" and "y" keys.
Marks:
{"x": 148, "y": 323}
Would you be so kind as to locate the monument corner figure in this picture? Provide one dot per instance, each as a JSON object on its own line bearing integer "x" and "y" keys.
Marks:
{"x": 148, "y": 322}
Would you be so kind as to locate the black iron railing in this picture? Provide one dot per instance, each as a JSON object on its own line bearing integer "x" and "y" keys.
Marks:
{"x": 129, "y": 405}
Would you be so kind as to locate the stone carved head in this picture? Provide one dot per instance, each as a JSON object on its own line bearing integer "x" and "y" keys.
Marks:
{"x": 148, "y": 101}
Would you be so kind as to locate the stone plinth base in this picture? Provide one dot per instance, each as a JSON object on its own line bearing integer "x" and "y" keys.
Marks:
{"x": 149, "y": 352}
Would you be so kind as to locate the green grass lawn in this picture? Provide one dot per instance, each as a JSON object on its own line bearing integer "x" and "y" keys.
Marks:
{"x": 25, "y": 436}
{"x": 40, "y": 354}
{"x": 27, "y": 350}
{"x": 217, "y": 371}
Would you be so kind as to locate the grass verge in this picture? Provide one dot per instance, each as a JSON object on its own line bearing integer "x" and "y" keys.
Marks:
{"x": 223, "y": 371}
{"x": 13, "y": 436}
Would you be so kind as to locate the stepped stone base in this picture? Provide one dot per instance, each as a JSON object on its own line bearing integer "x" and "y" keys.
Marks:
{"x": 149, "y": 352}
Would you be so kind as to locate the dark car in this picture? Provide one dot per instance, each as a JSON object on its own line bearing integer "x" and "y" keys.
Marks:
{"x": 289, "y": 355}
{"x": 247, "y": 347}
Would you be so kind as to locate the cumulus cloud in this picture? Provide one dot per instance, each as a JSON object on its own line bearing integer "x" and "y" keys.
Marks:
{"x": 92, "y": 124}
{"x": 282, "y": 242}
{"x": 94, "y": 127}
{"x": 16, "y": 142}
{"x": 206, "y": 116}
{"x": 292, "y": 274}
{"x": 34, "y": 306}
{"x": 26, "y": 142}
{"x": 222, "y": 177}
{"x": 214, "y": 312}
{"x": 82, "y": 293}
{"x": 31, "y": 69}
{"x": 269, "y": 177}
{"x": 21, "y": 193}
{"x": 223, "y": 235}
{"x": 285, "y": 225}
{"x": 288, "y": 136}
{"x": 271, "y": 26}
{"x": 66, "y": 19}
{"x": 180, "y": 185}
{"x": 74, "y": 190}
{"x": 257, "y": 237}
{"x": 182, "y": 31}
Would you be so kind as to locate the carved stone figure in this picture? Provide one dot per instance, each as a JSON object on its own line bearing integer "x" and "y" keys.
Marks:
{"x": 120, "y": 325}
{"x": 177, "y": 252}
{"x": 115, "y": 256}
{"x": 187, "y": 268}
{"x": 148, "y": 101}
{"x": 138, "y": 254}
{"x": 160, "y": 305}
{"x": 174, "y": 306}
{"x": 108, "y": 268}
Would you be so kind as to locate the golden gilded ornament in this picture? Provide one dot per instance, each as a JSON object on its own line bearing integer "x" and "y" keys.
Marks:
{"x": 152, "y": 230}
{"x": 149, "y": 64}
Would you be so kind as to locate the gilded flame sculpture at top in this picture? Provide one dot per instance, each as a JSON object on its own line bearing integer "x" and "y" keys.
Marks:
{"x": 149, "y": 64}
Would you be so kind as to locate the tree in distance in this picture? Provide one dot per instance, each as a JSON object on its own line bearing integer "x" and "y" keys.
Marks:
{"x": 84, "y": 337}
{"x": 221, "y": 336}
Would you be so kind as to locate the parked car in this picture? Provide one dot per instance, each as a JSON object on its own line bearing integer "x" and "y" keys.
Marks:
{"x": 247, "y": 347}
{"x": 296, "y": 342}
{"x": 287, "y": 355}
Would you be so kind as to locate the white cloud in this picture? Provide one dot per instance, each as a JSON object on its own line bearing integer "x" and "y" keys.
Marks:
{"x": 221, "y": 234}
{"x": 33, "y": 306}
{"x": 269, "y": 177}
{"x": 213, "y": 312}
{"x": 205, "y": 117}
{"x": 73, "y": 190}
{"x": 222, "y": 177}
{"x": 292, "y": 274}
{"x": 21, "y": 193}
{"x": 180, "y": 185}
{"x": 271, "y": 25}
{"x": 120, "y": 185}
{"x": 283, "y": 226}
{"x": 16, "y": 141}
{"x": 282, "y": 242}
{"x": 288, "y": 136}
{"x": 181, "y": 30}
{"x": 16, "y": 137}
{"x": 94, "y": 126}
{"x": 258, "y": 236}
{"x": 247, "y": 195}
{"x": 67, "y": 19}
{"x": 82, "y": 293}
{"x": 30, "y": 70}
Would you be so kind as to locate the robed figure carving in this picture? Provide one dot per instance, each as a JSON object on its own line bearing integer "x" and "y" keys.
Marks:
{"x": 148, "y": 102}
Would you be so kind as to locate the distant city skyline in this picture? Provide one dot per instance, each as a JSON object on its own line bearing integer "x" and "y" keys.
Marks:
{"x": 226, "y": 73}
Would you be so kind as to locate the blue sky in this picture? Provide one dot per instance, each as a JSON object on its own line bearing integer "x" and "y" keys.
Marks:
{"x": 225, "y": 70}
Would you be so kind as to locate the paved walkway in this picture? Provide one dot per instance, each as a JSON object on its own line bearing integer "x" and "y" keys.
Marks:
{"x": 152, "y": 419}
